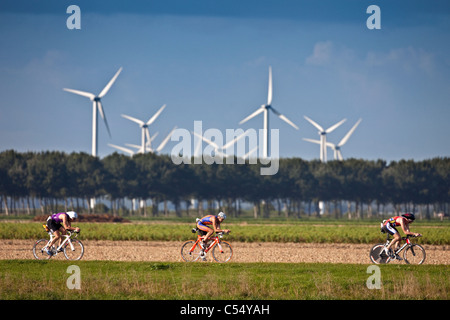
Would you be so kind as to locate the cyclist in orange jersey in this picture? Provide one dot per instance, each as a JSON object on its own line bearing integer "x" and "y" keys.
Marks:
{"x": 389, "y": 226}
{"x": 211, "y": 220}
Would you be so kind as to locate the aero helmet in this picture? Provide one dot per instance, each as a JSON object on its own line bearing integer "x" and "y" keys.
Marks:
{"x": 222, "y": 215}
{"x": 72, "y": 214}
{"x": 409, "y": 216}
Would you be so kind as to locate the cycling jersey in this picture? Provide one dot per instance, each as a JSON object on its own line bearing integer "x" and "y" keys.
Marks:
{"x": 204, "y": 223}
{"x": 207, "y": 219}
{"x": 393, "y": 221}
{"x": 54, "y": 222}
{"x": 390, "y": 224}
{"x": 56, "y": 217}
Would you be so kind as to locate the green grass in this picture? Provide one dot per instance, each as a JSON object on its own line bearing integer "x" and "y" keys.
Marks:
{"x": 108, "y": 280}
{"x": 170, "y": 231}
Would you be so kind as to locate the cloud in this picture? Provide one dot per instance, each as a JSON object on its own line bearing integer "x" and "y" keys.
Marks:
{"x": 408, "y": 59}
{"x": 322, "y": 54}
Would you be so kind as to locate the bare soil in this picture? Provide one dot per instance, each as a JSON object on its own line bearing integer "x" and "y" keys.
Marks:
{"x": 242, "y": 252}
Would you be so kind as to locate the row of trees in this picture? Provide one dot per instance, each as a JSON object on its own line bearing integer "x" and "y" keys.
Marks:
{"x": 40, "y": 181}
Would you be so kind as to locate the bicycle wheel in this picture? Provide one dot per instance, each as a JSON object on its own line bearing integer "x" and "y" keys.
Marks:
{"x": 222, "y": 252}
{"x": 377, "y": 254}
{"x": 77, "y": 252}
{"x": 414, "y": 254}
{"x": 189, "y": 252}
{"x": 38, "y": 250}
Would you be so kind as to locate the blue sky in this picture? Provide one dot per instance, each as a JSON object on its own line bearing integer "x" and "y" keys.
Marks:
{"x": 208, "y": 60}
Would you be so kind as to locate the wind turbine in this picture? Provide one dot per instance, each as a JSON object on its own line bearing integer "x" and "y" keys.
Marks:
{"x": 265, "y": 108}
{"x": 144, "y": 126}
{"x": 140, "y": 149}
{"x": 97, "y": 105}
{"x": 337, "y": 148}
{"x": 323, "y": 137}
{"x": 217, "y": 147}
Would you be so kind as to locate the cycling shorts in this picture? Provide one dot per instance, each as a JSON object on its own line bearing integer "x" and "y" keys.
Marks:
{"x": 53, "y": 225}
{"x": 390, "y": 229}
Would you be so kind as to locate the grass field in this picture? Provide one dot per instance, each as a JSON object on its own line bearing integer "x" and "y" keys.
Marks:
{"x": 47, "y": 280}
{"x": 326, "y": 232}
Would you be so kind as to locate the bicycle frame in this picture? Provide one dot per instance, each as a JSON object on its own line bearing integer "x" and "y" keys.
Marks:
{"x": 406, "y": 244}
{"x": 67, "y": 239}
{"x": 216, "y": 241}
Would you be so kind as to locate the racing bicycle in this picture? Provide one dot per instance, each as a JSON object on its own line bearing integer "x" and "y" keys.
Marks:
{"x": 72, "y": 248}
{"x": 412, "y": 254}
{"x": 221, "y": 250}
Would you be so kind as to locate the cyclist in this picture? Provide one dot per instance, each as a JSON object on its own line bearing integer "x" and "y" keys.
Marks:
{"x": 58, "y": 223}
{"x": 389, "y": 226}
{"x": 211, "y": 220}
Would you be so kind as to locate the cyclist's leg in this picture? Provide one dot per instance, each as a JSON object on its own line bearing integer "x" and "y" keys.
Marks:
{"x": 62, "y": 232}
{"x": 394, "y": 243}
{"x": 393, "y": 232}
{"x": 55, "y": 229}
{"x": 206, "y": 230}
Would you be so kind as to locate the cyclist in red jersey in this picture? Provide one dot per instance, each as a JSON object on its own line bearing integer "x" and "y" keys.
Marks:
{"x": 389, "y": 226}
{"x": 211, "y": 220}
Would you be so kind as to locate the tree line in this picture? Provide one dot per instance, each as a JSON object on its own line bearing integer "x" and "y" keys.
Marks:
{"x": 39, "y": 182}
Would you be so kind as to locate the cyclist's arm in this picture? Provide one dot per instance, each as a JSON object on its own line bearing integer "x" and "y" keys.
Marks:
{"x": 67, "y": 225}
{"x": 217, "y": 229}
{"x": 405, "y": 228}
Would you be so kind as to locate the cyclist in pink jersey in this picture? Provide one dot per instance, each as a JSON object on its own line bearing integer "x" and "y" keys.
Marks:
{"x": 389, "y": 226}
{"x": 58, "y": 223}
{"x": 211, "y": 220}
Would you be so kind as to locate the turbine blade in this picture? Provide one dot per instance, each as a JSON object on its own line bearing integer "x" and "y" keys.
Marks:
{"x": 249, "y": 153}
{"x": 140, "y": 150}
{"x": 311, "y": 140}
{"x": 252, "y": 115}
{"x": 131, "y": 152}
{"x": 206, "y": 140}
{"x": 347, "y": 136}
{"x": 110, "y": 83}
{"x": 269, "y": 94}
{"x": 330, "y": 129}
{"x": 154, "y": 136}
{"x": 228, "y": 144}
{"x": 102, "y": 113}
{"x": 314, "y": 124}
{"x": 284, "y": 118}
{"x": 133, "y": 145}
{"x": 150, "y": 121}
{"x": 330, "y": 145}
{"x": 139, "y": 122}
{"x": 81, "y": 93}
{"x": 339, "y": 154}
{"x": 163, "y": 144}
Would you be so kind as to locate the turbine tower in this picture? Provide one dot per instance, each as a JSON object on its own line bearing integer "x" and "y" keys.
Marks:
{"x": 323, "y": 137}
{"x": 144, "y": 126}
{"x": 97, "y": 107}
{"x": 265, "y": 108}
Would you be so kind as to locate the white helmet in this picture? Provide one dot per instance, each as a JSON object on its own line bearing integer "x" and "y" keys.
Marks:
{"x": 222, "y": 215}
{"x": 72, "y": 215}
